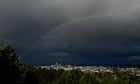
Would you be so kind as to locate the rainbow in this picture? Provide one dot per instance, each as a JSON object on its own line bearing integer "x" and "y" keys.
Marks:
{"x": 62, "y": 26}
{"x": 72, "y": 22}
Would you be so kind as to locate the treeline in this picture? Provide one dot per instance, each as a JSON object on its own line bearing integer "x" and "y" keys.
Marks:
{"x": 13, "y": 72}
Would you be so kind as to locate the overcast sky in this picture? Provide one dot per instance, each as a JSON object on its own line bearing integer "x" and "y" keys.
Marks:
{"x": 72, "y": 31}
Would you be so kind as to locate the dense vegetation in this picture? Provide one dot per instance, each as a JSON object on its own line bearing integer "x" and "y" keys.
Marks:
{"x": 13, "y": 72}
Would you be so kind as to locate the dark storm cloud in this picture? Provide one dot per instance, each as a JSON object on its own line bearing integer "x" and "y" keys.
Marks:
{"x": 99, "y": 38}
{"x": 54, "y": 29}
{"x": 23, "y": 23}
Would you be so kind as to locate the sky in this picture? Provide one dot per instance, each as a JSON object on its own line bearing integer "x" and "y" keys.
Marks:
{"x": 72, "y": 31}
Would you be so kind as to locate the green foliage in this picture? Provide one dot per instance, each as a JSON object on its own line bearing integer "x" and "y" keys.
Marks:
{"x": 28, "y": 75}
{"x": 9, "y": 64}
{"x": 8, "y": 56}
{"x": 88, "y": 78}
{"x": 69, "y": 77}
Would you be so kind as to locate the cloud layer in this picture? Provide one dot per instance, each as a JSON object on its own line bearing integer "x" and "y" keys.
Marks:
{"x": 72, "y": 31}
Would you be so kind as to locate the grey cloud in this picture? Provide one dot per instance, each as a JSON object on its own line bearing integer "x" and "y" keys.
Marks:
{"x": 100, "y": 38}
{"x": 134, "y": 57}
{"x": 24, "y": 23}
{"x": 34, "y": 26}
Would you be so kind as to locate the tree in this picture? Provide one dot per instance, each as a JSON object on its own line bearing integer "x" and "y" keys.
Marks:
{"x": 9, "y": 63}
{"x": 28, "y": 75}
{"x": 88, "y": 78}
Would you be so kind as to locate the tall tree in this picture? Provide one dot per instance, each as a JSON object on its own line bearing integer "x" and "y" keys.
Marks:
{"x": 9, "y": 63}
